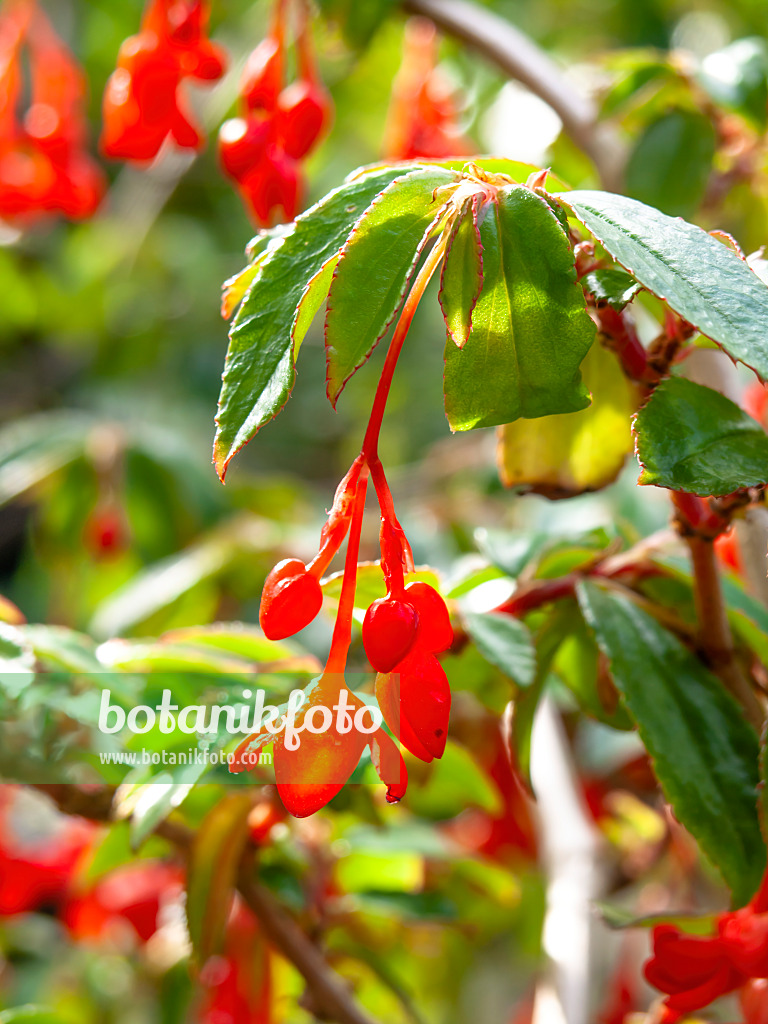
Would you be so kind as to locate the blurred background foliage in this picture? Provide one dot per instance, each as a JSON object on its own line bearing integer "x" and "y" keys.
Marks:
{"x": 113, "y": 523}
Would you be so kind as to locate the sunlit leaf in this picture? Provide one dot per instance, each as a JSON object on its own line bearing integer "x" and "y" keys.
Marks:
{"x": 692, "y": 438}
{"x": 259, "y": 371}
{"x": 699, "y": 277}
{"x": 376, "y": 265}
{"x": 530, "y": 328}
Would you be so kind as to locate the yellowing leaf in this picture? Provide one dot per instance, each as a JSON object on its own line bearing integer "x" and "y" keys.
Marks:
{"x": 563, "y": 455}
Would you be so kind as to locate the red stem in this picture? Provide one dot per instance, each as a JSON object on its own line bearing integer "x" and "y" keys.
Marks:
{"x": 342, "y": 630}
{"x": 370, "y": 462}
{"x": 370, "y": 449}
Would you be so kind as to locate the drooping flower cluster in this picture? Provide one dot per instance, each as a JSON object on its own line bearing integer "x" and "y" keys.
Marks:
{"x": 143, "y": 104}
{"x": 44, "y": 166}
{"x": 695, "y": 970}
{"x": 402, "y": 634}
{"x": 422, "y": 119}
{"x": 277, "y": 125}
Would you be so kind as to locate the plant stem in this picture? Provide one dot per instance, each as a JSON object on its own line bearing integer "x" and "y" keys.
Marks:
{"x": 715, "y": 640}
{"x": 342, "y": 630}
{"x": 370, "y": 449}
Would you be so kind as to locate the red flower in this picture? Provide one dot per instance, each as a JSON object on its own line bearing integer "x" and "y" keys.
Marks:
{"x": 134, "y": 893}
{"x": 422, "y": 119}
{"x": 696, "y": 970}
{"x": 277, "y": 126}
{"x": 311, "y": 773}
{"x": 44, "y": 167}
{"x": 238, "y": 984}
{"x": 39, "y": 852}
{"x": 142, "y": 104}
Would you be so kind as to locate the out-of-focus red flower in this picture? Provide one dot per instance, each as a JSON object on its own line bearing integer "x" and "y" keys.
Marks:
{"x": 106, "y": 533}
{"x": 622, "y": 997}
{"x": 238, "y": 984}
{"x": 728, "y": 551}
{"x": 38, "y": 853}
{"x": 511, "y": 834}
{"x": 422, "y": 118}
{"x": 44, "y": 167}
{"x": 134, "y": 893}
{"x": 754, "y": 1001}
{"x": 695, "y": 970}
{"x": 755, "y": 401}
{"x": 143, "y": 105}
{"x": 267, "y": 813}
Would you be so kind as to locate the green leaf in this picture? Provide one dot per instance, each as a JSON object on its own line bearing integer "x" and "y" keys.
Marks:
{"x": 577, "y": 664}
{"x": 560, "y": 456}
{"x": 370, "y": 586}
{"x": 548, "y": 640}
{"x": 611, "y": 285}
{"x": 359, "y": 22}
{"x": 259, "y": 373}
{"x": 505, "y": 642}
{"x": 737, "y": 77}
{"x": 530, "y": 328}
{"x": 462, "y": 275}
{"x": 158, "y": 797}
{"x": 700, "y": 278}
{"x": 60, "y": 647}
{"x": 620, "y": 918}
{"x": 34, "y": 448}
{"x": 376, "y": 265}
{"x": 161, "y": 584}
{"x": 511, "y": 552}
{"x": 17, "y": 661}
{"x": 703, "y": 751}
{"x": 212, "y": 872}
{"x": 671, "y": 162}
{"x": 30, "y": 1014}
{"x": 692, "y": 438}
{"x": 762, "y": 803}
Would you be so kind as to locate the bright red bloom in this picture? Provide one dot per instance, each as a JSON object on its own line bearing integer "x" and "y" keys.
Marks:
{"x": 754, "y": 1001}
{"x": 238, "y": 984}
{"x": 143, "y": 105}
{"x": 44, "y": 167}
{"x": 134, "y": 893}
{"x": 728, "y": 551}
{"x": 755, "y": 401}
{"x": 277, "y": 126}
{"x": 422, "y": 119}
{"x": 39, "y": 853}
{"x": 389, "y": 632}
{"x": 309, "y": 775}
{"x": 290, "y": 600}
{"x": 696, "y": 970}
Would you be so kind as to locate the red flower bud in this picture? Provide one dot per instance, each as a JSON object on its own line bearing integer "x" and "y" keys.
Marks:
{"x": 389, "y": 632}
{"x": 243, "y": 143}
{"x": 435, "y": 630}
{"x": 290, "y": 600}
{"x": 388, "y": 697}
{"x": 272, "y": 184}
{"x": 263, "y": 75}
{"x": 420, "y": 717}
{"x": 303, "y": 112}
